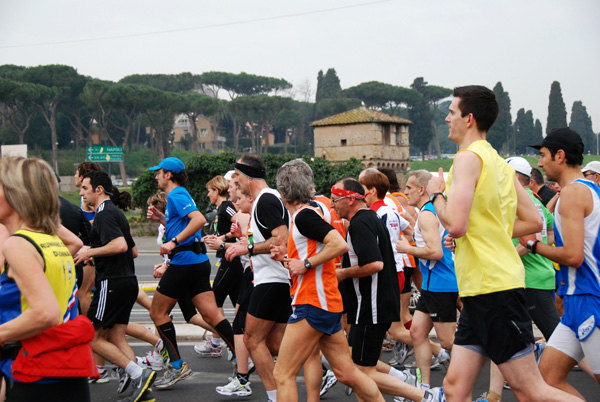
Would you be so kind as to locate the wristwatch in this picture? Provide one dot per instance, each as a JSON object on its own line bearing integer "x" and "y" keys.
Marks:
{"x": 531, "y": 245}
{"x": 433, "y": 196}
{"x": 250, "y": 249}
{"x": 174, "y": 240}
{"x": 222, "y": 247}
{"x": 307, "y": 264}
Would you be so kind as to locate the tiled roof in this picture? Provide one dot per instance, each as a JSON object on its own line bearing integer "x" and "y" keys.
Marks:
{"x": 359, "y": 115}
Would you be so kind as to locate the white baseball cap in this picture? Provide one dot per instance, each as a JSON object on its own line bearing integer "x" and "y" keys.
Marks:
{"x": 229, "y": 174}
{"x": 593, "y": 166}
{"x": 520, "y": 165}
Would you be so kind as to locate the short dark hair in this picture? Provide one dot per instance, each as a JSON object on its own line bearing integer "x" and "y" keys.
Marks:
{"x": 393, "y": 179}
{"x": 180, "y": 178}
{"x": 254, "y": 161}
{"x": 479, "y": 101}
{"x": 352, "y": 184}
{"x": 87, "y": 166}
{"x": 102, "y": 179}
{"x": 537, "y": 176}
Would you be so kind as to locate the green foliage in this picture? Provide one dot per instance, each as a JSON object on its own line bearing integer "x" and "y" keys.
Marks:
{"x": 328, "y": 85}
{"x": 538, "y": 132}
{"x": 582, "y": 123}
{"x": 143, "y": 188}
{"x": 557, "y": 112}
{"x": 385, "y": 97}
{"x": 501, "y": 131}
{"x": 329, "y": 107}
{"x": 181, "y": 83}
{"x": 524, "y": 132}
{"x": 241, "y": 84}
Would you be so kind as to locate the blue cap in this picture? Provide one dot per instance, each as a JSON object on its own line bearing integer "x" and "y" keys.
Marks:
{"x": 170, "y": 164}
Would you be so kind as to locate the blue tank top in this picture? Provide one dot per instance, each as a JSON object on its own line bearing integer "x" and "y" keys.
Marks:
{"x": 438, "y": 276}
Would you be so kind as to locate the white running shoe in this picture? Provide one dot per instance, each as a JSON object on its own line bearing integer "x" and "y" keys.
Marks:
{"x": 235, "y": 388}
{"x": 329, "y": 380}
{"x": 152, "y": 360}
{"x": 206, "y": 349}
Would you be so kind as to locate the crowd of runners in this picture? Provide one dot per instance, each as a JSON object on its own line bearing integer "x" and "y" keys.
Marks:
{"x": 318, "y": 283}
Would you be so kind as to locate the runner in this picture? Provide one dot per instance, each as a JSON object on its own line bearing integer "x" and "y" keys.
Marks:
{"x": 312, "y": 247}
{"x": 189, "y": 270}
{"x": 483, "y": 199}
{"x": 113, "y": 249}
{"x": 269, "y": 307}
{"x": 577, "y": 225}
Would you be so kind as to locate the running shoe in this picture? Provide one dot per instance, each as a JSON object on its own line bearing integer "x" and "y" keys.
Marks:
{"x": 329, "y": 380}
{"x": 124, "y": 380}
{"x": 235, "y": 388}
{"x": 437, "y": 394}
{"x": 152, "y": 360}
{"x": 388, "y": 344}
{"x": 140, "y": 385}
{"x": 229, "y": 354}
{"x": 413, "y": 376}
{"x": 482, "y": 398}
{"x": 148, "y": 396}
{"x": 103, "y": 379}
{"x": 207, "y": 349}
{"x": 173, "y": 375}
{"x": 435, "y": 363}
{"x": 401, "y": 352}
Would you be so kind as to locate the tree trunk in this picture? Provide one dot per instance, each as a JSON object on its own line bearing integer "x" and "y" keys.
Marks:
{"x": 236, "y": 135}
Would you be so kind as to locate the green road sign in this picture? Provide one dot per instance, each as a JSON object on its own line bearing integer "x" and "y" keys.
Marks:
{"x": 105, "y": 157}
{"x": 104, "y": 150}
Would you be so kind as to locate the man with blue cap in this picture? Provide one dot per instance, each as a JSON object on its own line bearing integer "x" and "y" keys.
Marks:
{"x": 188, "y": 274}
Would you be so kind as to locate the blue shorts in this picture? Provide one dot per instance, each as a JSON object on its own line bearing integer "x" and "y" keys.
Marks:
{"x": 321, "y": 320}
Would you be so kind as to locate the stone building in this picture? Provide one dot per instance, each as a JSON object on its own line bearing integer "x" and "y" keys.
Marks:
{"x": 375, "y": 138}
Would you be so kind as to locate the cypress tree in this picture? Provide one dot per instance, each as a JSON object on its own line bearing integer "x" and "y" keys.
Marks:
{"x": 557, "y": 112}
{"x": 582, "y": 123}
{"x": 501, "y": 131}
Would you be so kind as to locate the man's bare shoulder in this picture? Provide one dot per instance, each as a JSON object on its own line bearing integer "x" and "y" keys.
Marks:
{"x": 576, "y": 196}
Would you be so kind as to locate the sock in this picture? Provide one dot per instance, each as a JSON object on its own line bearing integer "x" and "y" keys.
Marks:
{"x": 226, "y": 332}
{"x": 100, "y": 368}
{"x": 398, "y": 374}
{"x": 324, "y": 361}
{"x": 272, "y": 395}
{"x": 169, "y": 338}
{"x": 159, "y": 345}
{"x": 243, "y": 378}
{"x": 443, "y": 355}
{"x": 408, "y": 324}
{"x": 493, "y": 397}
{"x": 215, "y": 342}
{"x": 133, "y": 370}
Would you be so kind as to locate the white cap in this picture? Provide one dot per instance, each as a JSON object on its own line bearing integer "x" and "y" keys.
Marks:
{"x": 229, "y": 174}
{"x": 593, "y": 166}
{"x": 520, "y": 165}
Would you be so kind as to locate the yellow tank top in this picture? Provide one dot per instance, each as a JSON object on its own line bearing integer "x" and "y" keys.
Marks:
{"x": 59, "y": 269}
{"x": 486, "y": 260}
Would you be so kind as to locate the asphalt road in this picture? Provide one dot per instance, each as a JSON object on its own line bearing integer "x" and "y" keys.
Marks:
{"x": 209, "y": 373}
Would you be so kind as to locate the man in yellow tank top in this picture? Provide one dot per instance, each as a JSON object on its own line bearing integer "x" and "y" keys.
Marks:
{"x": 483, "y": 198}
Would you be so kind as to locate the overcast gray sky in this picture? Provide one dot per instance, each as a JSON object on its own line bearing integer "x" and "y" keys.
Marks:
{"x": 525, "y": 44}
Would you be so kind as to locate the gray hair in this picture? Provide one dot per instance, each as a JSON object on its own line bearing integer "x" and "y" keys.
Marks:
{"x": 295, "y": 181}
{"x": 421, "y": 176}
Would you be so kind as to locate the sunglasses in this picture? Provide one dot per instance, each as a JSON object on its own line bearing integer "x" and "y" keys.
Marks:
{"x": 337, "y": 199}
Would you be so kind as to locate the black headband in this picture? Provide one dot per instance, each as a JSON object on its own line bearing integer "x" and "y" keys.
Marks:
{"x": 250, "y": 171}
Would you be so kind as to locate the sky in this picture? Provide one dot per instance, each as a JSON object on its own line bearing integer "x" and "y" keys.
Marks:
{"x": 525, "y": 44}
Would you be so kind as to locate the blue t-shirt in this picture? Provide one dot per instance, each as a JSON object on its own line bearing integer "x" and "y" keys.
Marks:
{"x": 179, "y": 206}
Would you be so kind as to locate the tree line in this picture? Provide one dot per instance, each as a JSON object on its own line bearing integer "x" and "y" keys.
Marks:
{"x": 54, "y": 107}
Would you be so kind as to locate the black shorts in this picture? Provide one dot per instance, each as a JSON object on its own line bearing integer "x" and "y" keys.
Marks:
{"x": 113, "y": 301}
{"x": 408, "y": 271}
{"x": 366, "y": 341}
{"x": 72, "y": 389}
{"x": 246, "y": 289}
{"x": 182, "y": 280}
{"x": 271, "y": 302}
{"x": 497, "y": 323}
{"x": 227, "y": 281}
{"x": 440, "y": 306}
{"x": 540, "y": 306}
{"x": 187, "y": 307}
